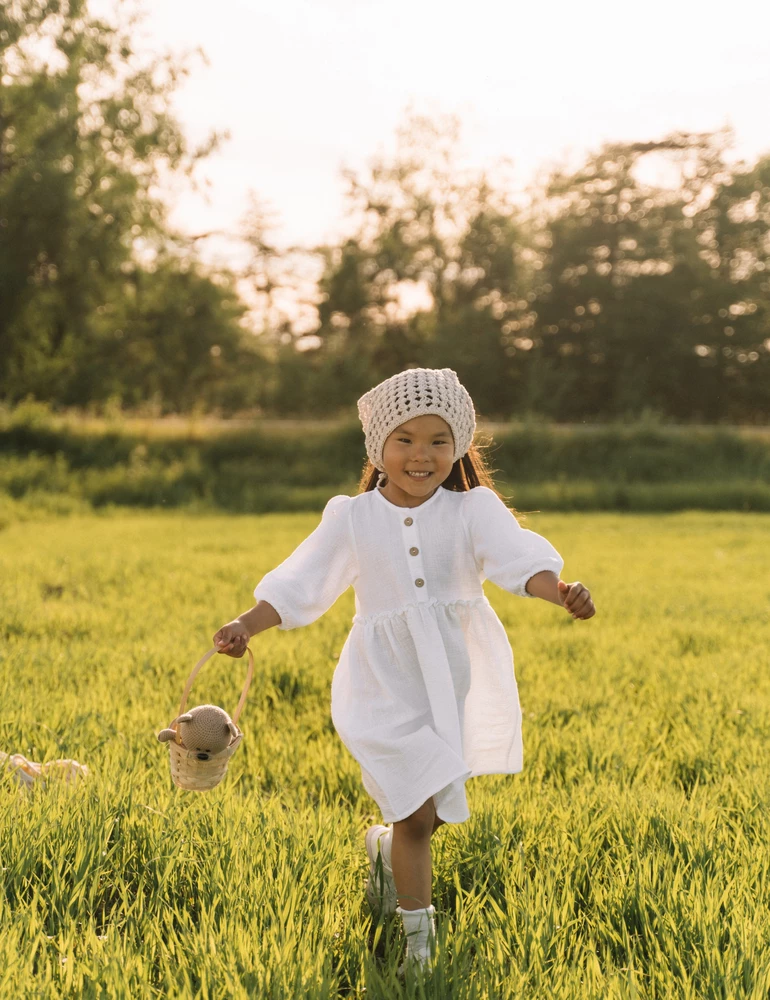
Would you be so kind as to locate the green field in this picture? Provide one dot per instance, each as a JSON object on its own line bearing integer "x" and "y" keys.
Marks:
{"x": 56, "y": 464}
{"x": 631, "y": 858}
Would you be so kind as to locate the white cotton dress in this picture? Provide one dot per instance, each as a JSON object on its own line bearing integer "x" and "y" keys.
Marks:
{"x": 424, "y": 694}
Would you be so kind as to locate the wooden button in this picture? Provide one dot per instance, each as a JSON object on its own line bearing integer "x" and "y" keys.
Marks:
{"x": 413, "y": 551}
{"x": 408, "y": 520}
{"x": 419, "y": 582}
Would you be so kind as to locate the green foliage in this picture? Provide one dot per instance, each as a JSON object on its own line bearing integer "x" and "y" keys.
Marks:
{"x": 656, "y": 298}
{"x": 600, "y": 299}
{"x": 98, "y": 299}
{"x": 628, "y": 859}
{"x": 276, "y": 466}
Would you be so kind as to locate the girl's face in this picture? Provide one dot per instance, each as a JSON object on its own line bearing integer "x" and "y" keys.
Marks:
{"x": 422, "y": 444}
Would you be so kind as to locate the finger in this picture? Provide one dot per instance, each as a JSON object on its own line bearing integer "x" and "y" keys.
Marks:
{"x": 572, "y": 595}
{"x": 588, "y": 611}
{"x": 582, "y": 602}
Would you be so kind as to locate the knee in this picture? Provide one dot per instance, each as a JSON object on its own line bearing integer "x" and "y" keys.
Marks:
{"x": 419, "y": 825}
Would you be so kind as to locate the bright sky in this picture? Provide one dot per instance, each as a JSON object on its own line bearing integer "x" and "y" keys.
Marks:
{"x": 307, "y": 86}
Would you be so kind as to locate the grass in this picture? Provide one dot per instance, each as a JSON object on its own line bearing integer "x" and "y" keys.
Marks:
{"x": 60, "y": 463}
{"x": 630, "y": 858}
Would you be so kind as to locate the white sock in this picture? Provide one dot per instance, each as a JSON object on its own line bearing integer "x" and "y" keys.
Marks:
{"x": 420, "y": 930}
{"x": 386, "y": 840}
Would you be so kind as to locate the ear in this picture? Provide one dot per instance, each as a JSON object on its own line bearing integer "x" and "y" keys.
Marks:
{"x": 166, "y": 734}
{"x": 233, "y": 728}
{"x": 187, "y": 717}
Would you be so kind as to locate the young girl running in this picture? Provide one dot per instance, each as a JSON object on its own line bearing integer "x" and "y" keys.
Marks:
{"x": 424, "y": 694}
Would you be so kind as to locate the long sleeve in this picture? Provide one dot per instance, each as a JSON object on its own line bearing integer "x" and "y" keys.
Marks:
{"x": 505, "y": 553}
{"x": 308, "y": 582}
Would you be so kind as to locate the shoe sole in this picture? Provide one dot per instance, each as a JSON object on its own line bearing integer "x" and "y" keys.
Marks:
{"x": 381, "y": 886}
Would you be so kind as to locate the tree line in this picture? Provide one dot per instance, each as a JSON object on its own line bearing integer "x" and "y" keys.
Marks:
{"x": 603, "y": 296}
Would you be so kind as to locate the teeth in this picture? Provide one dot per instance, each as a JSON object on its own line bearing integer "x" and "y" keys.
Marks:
{"x": 418, "y": 475}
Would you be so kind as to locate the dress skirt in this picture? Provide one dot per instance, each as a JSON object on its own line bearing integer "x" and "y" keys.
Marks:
{"x": 424, "y": 698}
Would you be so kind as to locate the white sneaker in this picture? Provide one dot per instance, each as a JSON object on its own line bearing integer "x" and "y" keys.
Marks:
{"x": 381, "y": 886}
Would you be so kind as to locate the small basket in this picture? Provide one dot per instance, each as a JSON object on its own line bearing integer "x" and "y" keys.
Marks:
{"x": 187, "y": 770}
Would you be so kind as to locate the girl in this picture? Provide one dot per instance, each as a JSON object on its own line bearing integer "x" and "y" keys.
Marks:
{"x": 424, "y": 694}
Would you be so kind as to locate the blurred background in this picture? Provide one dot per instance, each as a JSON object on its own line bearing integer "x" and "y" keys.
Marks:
{"x": 225, "y": 225}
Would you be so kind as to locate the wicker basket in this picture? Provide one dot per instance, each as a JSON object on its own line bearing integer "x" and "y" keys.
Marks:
{"x": 187, "y": 770}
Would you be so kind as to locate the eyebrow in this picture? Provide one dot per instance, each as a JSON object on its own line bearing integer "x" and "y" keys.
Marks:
{"x": 437, "y": 435}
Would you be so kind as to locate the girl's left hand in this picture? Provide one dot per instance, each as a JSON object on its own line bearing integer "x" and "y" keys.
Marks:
{"x": 576, "y": 599}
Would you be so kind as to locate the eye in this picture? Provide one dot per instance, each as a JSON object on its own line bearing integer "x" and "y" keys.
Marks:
{"x": 408, "y": 439}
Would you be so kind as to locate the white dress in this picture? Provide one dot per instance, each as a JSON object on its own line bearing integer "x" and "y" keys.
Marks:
{"x": 424, "y": 694}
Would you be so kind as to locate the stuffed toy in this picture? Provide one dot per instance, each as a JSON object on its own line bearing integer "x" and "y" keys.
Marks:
{"x": 206, "y": 729}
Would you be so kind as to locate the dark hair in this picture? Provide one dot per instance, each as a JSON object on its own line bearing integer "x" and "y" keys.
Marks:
{"x": 468, "y": 471}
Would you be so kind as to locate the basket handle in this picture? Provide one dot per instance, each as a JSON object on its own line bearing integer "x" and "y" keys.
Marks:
{"x": 194, "y": 674}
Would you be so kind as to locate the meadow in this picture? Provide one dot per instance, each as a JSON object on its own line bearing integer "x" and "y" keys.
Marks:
{"x": 73, "y": 463}
{"x": 630, "y": 858}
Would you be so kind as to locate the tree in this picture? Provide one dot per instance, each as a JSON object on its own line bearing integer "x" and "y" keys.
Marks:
{"x": 626, "y": 298}
{"x": 85, "y": 133}
{"x": 421, "y": 223}
{"x": 605, "y": 297}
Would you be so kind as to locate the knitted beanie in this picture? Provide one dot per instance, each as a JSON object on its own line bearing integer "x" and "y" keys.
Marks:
{"x": 413, "y": 393}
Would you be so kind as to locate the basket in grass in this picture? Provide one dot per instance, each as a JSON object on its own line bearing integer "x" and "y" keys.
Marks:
{"x": 202, "y": 741}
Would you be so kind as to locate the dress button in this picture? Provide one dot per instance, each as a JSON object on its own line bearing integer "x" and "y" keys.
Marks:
{"x": 407, "y": 520}
{"x": 413, "y": 551}
{"x": 419, "y": 582}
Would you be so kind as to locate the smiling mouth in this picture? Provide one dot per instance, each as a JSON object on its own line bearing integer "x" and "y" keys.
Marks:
{"x": 419, "y": 475}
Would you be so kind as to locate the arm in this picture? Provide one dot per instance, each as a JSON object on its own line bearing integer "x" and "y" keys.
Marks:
{"x": 506, "y": 553}
{"x": 233, "y": 638}
{"x": 546, "y": 585}
{"x": 308, "y": 582}
{"x": 573, "y": 597}
{"x": 262, "y": 616}
{"x": 303, "y": 586}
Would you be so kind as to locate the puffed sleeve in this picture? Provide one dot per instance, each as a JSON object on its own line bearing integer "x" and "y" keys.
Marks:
{"x": 505, "y": 553}
{"x": 322, "y": 567}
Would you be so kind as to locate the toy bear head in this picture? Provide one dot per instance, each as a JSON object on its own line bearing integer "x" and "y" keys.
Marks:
{"x": 205, "y": 730}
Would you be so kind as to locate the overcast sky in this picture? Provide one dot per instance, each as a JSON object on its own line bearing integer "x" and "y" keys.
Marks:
{"x": 307, "y": 86}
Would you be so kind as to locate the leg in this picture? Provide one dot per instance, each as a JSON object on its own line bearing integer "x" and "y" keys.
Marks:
{"x": 410, "y": 857}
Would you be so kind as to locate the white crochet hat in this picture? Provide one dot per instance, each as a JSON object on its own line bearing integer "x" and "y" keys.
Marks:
{"x": 414, "y": 393}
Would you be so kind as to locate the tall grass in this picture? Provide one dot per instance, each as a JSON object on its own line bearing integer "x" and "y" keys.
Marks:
{"x": 51, "y": 463}
{"x": 629, "y": 859}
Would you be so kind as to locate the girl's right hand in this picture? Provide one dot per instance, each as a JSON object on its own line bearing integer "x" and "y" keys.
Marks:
{"x": 232, "y": 638}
